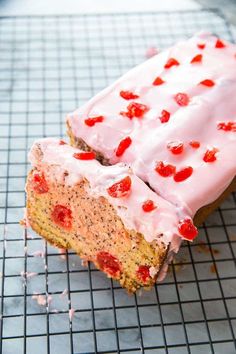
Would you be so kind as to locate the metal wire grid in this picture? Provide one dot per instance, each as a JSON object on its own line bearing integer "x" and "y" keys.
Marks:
{"x": 48, "y": 66}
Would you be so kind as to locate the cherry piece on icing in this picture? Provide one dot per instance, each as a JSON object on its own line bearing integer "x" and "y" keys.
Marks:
{"x": 128, "y": 95}
{"x": 62, "y": 216}
{"x": 62, "y": 142}
{"x": 121, "y": 188}
{"x": 143, "y": 273}
{"x": 197, "y": 59}
{"x": 187, "y": 229}
{"x": 108, "y": 263}
{"x": 123, "y": 145}
{"x": 194, "y": 144}
{"x": 181, "y": 99}
{"x": 176, "y": 147}
{"x": 165, "y": 116}
{"x": 210, "y": 155}
{"x": 183, "y": 174}
{"x": 227, "y": 126}
{"x": 171, "y": 62}
{"x": 135, "y": 109}
{"x": 148, "y": 206}
{"x": 39, "y": 183}
{"x": 219, "y": 44}
{"x": 158, "y": 81}
{"x": 90, "y": 122}
{"x": 165, "y": 170}
{"x": 207, "y": 82}
{"x": 201, "y": 45}
{"x": 87, "y": 155}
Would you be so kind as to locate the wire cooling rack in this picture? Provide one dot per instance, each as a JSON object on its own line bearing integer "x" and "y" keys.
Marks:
{"x": 49, "y": 302}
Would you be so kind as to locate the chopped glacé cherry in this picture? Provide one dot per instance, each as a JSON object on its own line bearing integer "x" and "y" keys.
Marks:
{"x": 90, "y": 122}
{"x": 39, "y": 183}
{"x": 158, "y": 81}
{"x": 109, "y": 264}
{"x": 183, "y": 174}
{"x": 187, "y": 229}
{"x": 121, "y": 188}
{"x": 128, "y": 95}
{"x": 148, "y": 206}
{"x": 171, "y": 62}
{"x": 207, "y": 82}
{"x": 210, "y": 155}
{"x": 219, "y": 44}
{"x": 135, "y": 110}
{"x": 165, "y": 116}
{"x": 143, "y": 273}
{"x": 62, "y": 142}
{"x": 87, "y": 155}
{"x": 123, "y": 145}
{"x": 194, "y": 144}
{"x": 227, "y": 126}
{"x": 165, "y": 170}
{"x": 176, "y": 147}
{"x": 201, "y": 45}
{"x": 182, "y": 99}
{"x": 62, "y": 216}
{"x": 197, "y": 59}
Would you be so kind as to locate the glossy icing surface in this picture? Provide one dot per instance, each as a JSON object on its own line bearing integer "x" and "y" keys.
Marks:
{"x": 210, "y": 102}
{"x": 160, "y": 224}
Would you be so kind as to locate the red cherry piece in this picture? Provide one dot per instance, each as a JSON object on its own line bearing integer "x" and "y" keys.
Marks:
{"x": 128, "y": 95}
{"x": 210, "y": 155}
{"x": 197, "y": 59}
{"x": 123, "y": 145}
{"x": 109, "y": 264}
{"x": 194, "y": 144}
{"x": 181, "y": 99}
{"x": 227, "y": 126}
{"x": 158, "y": 81}
{"x": 39, "y": 183}
{"x": 165, "y": 116}
{"x": 121, "y": 188}
{"x": 183, "y": 174}
{"x": 143, "y": 273}
{"x": 62, "y": 142}
{"x": 187, "y": 229}
{"x": 207, "y": 82}
{"x": 219, "y": 44}
{"x": 176, "y": 147}
{"x": 165, "y": 170}
{"x": 201, "y": 45}
{"x": 171, "y": 62}
{"x": 90, "y": 122}
{"x": 88, "y": 155}
{"x": 148, "y": 206}
{"x": 135, "y": 109}
{"x": 62, "y": 216}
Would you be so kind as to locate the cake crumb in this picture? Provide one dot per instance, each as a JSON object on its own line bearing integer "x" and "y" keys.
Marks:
{"x": 71, "y": 313}
{"x": 62, "y": 253}
{"x": 27, "y": 275}
{"x": 40, "y": 254}
{"x": 64, "y": 293}
{"x": 213, "y": 268}
{"x": 42, "y": 300}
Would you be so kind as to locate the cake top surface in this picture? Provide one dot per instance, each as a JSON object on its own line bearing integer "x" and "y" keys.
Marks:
{"x": 139, "y": 207}
{"x": 173, "y": 119}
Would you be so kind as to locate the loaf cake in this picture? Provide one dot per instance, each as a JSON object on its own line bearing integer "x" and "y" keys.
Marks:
{"x": 150, "y": 153}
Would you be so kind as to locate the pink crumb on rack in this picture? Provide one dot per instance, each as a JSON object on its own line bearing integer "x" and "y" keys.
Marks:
{"x": 39, "y": 253}
{"x": 71, "y": 313}
{"x": 42, "y": 300}
{"x": 64, "y": 293}
{"x": 62, "y": 252}
{"x": 25, "y": 222}
{"x": 150, "y": 52}
{"x": 27, "y": 275}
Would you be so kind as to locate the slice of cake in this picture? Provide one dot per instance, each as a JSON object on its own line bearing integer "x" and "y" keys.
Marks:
{"x": 106, "y": 214}
{"x": 173, "y": 119}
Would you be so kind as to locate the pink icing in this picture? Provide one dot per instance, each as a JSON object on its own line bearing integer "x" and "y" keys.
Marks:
{"x": 197, "y": 121}
{"x": 160, "y": 224}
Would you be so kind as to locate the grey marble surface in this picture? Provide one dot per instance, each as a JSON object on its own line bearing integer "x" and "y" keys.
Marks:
{"x": 48, "y": 67}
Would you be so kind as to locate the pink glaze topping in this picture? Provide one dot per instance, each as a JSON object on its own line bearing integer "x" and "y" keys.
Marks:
{"x": 184, "y": 94}
{"x": 160, "y": 224}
